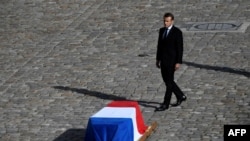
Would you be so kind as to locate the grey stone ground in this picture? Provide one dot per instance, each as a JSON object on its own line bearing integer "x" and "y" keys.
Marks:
{"x": 63, "y": 60}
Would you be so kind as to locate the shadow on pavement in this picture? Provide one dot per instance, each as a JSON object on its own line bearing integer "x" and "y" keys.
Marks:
{"x": 104, "y": 96}
{"x": 148, "y": 104}
{"x": 72, "y": 135}
{"x": 91, "y": 93}
{"x": 216, "y": 68}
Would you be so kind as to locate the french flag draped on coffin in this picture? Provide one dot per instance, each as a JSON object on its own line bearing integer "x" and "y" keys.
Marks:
{"x": 118, "y": 121}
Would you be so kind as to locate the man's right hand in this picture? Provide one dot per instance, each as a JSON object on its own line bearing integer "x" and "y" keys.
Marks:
{"x": 158, "y": 64}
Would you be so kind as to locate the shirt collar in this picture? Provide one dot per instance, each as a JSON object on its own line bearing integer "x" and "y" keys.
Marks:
{"x": 170, "y": 27}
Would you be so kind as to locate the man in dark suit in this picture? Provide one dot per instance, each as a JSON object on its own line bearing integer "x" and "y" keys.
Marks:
{"x": 169, "y": 58}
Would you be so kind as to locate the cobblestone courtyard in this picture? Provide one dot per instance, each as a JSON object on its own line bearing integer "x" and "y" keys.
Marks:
{"x": 63, "y": 60}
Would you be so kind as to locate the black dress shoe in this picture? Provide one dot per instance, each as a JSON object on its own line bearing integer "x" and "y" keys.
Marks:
{"x": 163, "y": 107}
{"x": 179, "y": 101}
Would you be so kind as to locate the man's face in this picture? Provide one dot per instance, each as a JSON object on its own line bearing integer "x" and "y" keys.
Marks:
{"x": 168, "y": 21}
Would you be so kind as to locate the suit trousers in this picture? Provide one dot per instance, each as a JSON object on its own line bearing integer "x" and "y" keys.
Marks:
{"x": 167, "y": 72}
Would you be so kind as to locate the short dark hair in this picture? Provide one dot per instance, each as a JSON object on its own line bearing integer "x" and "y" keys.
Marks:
{"x": 169, "y": 15}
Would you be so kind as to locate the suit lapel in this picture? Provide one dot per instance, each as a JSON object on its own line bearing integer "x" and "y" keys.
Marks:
{"x": 162, "y": 33}
{"x": 170, "y": 32}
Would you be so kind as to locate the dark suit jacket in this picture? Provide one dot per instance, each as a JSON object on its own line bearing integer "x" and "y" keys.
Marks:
{"x": 170, "y": 49}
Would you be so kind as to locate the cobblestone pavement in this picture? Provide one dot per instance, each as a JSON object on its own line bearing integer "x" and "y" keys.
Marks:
{"x": 63, "y": 60}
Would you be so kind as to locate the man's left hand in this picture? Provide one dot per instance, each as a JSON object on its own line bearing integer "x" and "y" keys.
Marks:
{"x": 177, "y": 66}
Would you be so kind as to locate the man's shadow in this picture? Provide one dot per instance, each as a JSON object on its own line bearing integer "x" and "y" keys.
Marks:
{"x": 90, "y": 93}
{"x": 221, "y": 69}
{"x": 105, "y": 96}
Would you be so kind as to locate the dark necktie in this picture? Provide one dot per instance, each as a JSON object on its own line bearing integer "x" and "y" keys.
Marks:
{"x": 165, "y": 34}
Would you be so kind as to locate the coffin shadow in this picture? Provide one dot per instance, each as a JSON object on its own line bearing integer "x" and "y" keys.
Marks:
{"x": 72, "y": 135}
